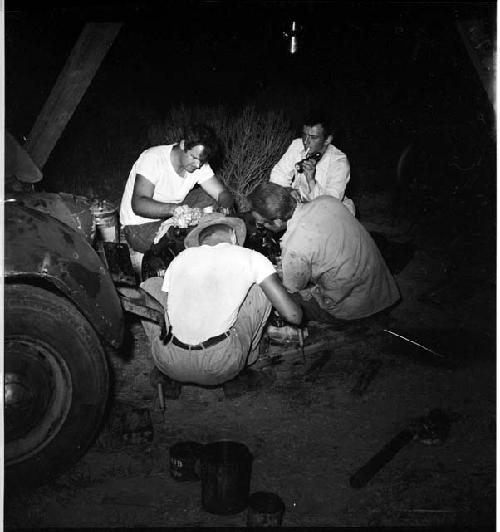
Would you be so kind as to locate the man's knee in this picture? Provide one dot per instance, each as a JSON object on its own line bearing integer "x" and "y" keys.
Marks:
{"x": 141, "y": 237}
{"x": 197, "y": 197}
{"x": 153, "y": 286}
{"x": 134, "y": 243}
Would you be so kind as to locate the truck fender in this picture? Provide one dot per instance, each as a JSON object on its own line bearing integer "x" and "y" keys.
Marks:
{"x": 38, "y": 246}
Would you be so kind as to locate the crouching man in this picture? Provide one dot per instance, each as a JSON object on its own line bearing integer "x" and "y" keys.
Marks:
{"x": 330, "y": 262}
{"x": 217, "y": 297}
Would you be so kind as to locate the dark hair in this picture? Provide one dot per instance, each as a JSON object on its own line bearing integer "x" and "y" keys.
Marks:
{"x": 215, "y": 230}
{"x": 201, "y": 134}
{"x": 319, "y": 116}
{"x": 272, "y": 201}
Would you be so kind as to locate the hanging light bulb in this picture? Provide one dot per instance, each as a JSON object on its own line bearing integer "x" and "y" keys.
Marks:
{"x": 293, "y": 36}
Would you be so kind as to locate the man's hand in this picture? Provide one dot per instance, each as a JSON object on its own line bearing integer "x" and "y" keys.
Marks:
{"x": 309, "y": 166}
{"x": 226, "y": 201}
{"x": 219, "y": 192}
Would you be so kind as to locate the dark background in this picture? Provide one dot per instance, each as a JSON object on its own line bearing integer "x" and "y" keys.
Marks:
{"x": 391, "y": 74}
{"x": 386, "y": 71}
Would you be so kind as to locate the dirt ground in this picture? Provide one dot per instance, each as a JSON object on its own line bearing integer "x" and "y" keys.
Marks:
{"x": 306, "y": 429}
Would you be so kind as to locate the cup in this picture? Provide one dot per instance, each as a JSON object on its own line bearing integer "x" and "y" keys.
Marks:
{"x": 265, "y": 509}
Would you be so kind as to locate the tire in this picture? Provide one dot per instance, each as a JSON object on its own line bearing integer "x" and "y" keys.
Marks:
{"x": 56, "y": 383}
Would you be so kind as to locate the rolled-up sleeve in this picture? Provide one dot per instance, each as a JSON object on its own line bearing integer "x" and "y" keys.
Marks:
{"x": 284, "y": 170}
{"x": 336, "y": 178}
{"x": 148, "y": 165}
{"x": 296, "y": 269}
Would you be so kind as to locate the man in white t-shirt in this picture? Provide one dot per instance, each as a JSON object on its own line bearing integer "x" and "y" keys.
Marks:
{"x": 218, "y": 296}
{"x": 328, "y": 174}
{"x": 163, "y": 178}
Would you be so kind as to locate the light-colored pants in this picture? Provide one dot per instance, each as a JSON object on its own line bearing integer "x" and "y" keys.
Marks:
{"x": 218, "y": 363}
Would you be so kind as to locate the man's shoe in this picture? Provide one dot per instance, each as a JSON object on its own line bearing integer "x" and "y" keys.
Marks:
{"x": 171, "y": 389}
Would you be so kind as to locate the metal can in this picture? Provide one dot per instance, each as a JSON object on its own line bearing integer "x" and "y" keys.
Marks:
{"x": 185, "y": 460}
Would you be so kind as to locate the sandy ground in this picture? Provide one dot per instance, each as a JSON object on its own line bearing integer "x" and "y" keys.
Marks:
{"x": 307, "y": 432}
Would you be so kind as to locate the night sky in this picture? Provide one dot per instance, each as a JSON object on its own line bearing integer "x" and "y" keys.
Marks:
{"x": 377, "y": 62}
{"x": 392, "y": 74}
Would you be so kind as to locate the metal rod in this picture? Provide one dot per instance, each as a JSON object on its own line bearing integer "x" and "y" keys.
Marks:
{"x": 161, "y": 398}
{"x": 414, "y": 343}
{"x": 301, "y": 343}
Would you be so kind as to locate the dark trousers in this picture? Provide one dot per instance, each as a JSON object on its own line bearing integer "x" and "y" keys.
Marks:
{"x": 140, "y": 237}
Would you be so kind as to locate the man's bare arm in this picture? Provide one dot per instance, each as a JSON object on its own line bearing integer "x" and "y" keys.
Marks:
{"x": 143, "y": 203}
{"x": 281, "y": 299}
{"x": 219, "y": 192}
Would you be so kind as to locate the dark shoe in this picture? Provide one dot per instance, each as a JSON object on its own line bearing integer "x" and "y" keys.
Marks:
{"x": 248, "y": 380}
{"x": 171, "y": 389}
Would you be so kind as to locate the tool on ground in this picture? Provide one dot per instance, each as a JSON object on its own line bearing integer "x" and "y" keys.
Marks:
{"x": 301, "y": 344}
{"x": 161, "y": 398}
{"x": 413, "y": 342}
{"x": 430, "y": 429}
{"x": 366, "y": 377}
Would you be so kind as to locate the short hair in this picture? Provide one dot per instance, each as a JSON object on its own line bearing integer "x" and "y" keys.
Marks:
{"x": 272, "y": 201}
{"x": 319, "y": 116}
{"x": 201, "y": 134}
{"x": 215, "y": 234}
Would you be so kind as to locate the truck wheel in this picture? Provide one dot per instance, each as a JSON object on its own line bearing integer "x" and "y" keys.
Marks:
{"x": 55, "y": 385}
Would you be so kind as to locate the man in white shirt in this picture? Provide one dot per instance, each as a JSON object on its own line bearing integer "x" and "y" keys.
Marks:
{"x": 309, "y": 177}
{"x": 217, "y": 297}
{"x": 161, "y": 180}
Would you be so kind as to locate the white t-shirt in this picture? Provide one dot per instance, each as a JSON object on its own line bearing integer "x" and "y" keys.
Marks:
{"x": 206, "y": 286}
{"x": 155, "y": 165}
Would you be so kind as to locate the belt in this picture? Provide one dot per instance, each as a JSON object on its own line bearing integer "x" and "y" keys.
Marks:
{"x": 202, "y": 345}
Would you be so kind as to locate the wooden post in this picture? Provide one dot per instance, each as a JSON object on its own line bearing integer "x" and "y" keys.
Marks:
{"x": 18, "y": 163}
{"x": 76, "y": 75}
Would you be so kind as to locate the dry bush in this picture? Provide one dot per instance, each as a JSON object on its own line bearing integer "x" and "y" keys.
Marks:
{"x": 252, "y": 142}
{"x": 257, "y": 142}
{"x": 171, "y": 128}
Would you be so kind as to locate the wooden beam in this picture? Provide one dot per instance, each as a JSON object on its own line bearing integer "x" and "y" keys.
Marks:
{"x": 18, "y": 163}
{"x": 76, "y": 75}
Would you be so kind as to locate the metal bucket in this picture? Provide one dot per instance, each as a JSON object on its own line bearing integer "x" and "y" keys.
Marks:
{"x": 226, "y": 468}
{"x": 265, "y": 510}
{"x": 185, "y": 459}
{"x": 106, "y": 217}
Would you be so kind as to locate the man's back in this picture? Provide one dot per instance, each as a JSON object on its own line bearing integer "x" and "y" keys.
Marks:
{"x": 206, "y": 286}
{"x": 326, "y": 246}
